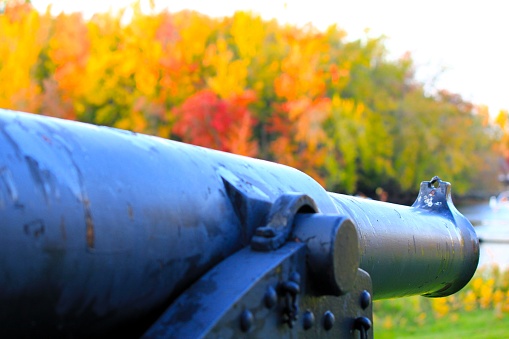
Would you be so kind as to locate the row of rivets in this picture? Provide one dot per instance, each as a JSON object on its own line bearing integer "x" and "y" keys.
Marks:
{"x": 270, "y": 297}
{"x": 308, "y": 318}
{"x": 270, "y": 300}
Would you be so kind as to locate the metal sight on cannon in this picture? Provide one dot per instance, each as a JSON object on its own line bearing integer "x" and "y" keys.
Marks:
{"x": 106, "y": 231}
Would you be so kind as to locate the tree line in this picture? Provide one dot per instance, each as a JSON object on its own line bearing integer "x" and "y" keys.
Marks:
{"x": 341, "y": 111}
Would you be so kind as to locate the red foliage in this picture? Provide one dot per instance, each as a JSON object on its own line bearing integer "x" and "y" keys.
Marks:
{"x": 204, "y": 119}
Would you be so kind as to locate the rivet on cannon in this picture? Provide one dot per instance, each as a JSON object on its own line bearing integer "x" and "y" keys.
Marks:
{"x": 308, "y": 320}
{"x": 328, "y": 320}
{"x": 246, "y": 320}
{"x": 295, "y": 277}
{"x": 365, "y": 299}
{"x": 270, "y": 297}
{"x": 362, "y": 324}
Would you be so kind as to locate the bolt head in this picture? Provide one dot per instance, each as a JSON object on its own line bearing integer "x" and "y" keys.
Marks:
{"x": 295, "y": 277}
{"x": 270, "y": 297}
{"x": 362, "y": 323}
{"x": 365, "y": 299}
{"x": 328, "y": 320}
{"x": 308, "y": 320}
{"x": 246, "y": 320}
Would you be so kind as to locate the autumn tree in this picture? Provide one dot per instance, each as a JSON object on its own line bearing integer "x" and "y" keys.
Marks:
{"x": 342, "y": 111}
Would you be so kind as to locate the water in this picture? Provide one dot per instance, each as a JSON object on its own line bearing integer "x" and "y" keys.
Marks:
{"x": 491, "y": 222}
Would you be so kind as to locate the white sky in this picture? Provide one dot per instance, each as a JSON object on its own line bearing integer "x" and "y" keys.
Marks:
{"x": 465, "y": 43}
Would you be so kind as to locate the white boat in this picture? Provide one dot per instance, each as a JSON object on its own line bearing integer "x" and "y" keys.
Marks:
{"x": 500, "y": 201}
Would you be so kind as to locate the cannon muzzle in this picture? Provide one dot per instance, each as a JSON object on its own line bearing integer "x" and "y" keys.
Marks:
{"x": 107, "y": 231}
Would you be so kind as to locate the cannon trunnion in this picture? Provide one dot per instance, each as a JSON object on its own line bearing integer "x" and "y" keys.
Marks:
{"x": 106, "y": 231}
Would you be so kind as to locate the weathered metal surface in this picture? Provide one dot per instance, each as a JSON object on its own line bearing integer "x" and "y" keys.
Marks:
{"x": 227, "y": 304}
{"x": 333, "y": 251}
{"x": 280, "y": 221}
{"x": 427, "y": 249}
{"x": 102, "y": 229}
{"x": 100, "y": 225}
{"x": 345, "y": 310}
{"x": 265, "y": 299}
{"x": 229, "y": 301}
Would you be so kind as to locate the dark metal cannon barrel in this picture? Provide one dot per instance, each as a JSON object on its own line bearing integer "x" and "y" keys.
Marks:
{"x": 427, "y": 249}
{"x": 103, "y": 228}
{"x": 104, "y": 224}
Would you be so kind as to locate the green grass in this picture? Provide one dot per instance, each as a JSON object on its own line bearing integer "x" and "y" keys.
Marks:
{"x": 479, "y": 310}
{"x": 474, "y": 324}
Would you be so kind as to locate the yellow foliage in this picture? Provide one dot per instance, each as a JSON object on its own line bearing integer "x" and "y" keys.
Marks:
{"x": 498, "y": 297}
{"x": 135, "y": 122}
{"x": 440, "y": 306}
{"x": 477, "y": 284}
{"x": 421, "y": 318}
{"x": 502, "y": 119}
{"x": 194, "y": 30}
{"x": 22, "y": 34}
{"x": 146, "y": 81}
{"x": 230, "y": 75}
{"x": 470, "y": 301}
{"x": 486, "y": 293}
{"x": 388, "y": 322}
{"x": 248, "y": 33}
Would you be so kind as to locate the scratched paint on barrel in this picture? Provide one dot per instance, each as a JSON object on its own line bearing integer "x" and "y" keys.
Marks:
{"x": 8, "y": 181}
{"x": 28, "y": 146}
{"x": 89, "y": 224}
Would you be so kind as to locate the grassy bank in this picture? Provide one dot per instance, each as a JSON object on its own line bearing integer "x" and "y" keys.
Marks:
{"x": 480, "y": 310}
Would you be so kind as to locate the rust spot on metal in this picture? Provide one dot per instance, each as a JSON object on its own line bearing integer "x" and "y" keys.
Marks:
{"x": 90, "y": 231}
{"x": 47, "y": 139}
{"x": 130, "y": 211}
{"x": 89, "y": 224}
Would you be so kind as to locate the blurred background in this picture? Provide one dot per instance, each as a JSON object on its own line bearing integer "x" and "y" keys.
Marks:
{"x": 283, "y": 81}
{"x": 369, "y": 98}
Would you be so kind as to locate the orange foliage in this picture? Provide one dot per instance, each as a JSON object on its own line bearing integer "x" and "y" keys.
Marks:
{"x": 68, "y": 50}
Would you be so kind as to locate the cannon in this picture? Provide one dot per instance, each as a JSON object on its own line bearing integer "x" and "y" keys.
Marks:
{"x": 105, "y": 231}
